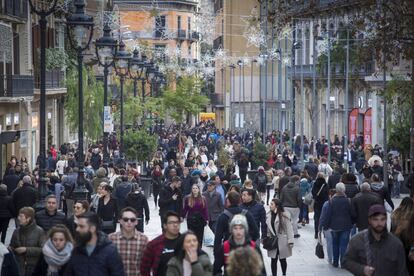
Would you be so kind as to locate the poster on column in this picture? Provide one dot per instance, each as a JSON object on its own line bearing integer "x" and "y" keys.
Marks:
{"x": 353, "y": 125}
{"x": 368, "y": 127}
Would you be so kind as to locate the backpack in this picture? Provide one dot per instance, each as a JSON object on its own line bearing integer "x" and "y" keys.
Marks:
{"x": 226, "y": 250}
{"x": 230, "y": 215}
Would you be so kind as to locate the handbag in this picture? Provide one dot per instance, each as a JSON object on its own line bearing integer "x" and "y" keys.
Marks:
{"x": 270, "y": 243}
{"x": 208, "y": 239}
{"x": 107, "y": 224}
{"x": 319, "y": 248}
{"x": 308, "y": 199}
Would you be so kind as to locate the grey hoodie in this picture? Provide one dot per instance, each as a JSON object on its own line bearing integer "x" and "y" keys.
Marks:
{"x": 290, "y": 196}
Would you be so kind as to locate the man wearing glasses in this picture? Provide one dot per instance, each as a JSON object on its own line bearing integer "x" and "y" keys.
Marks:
{"x": 160, "y": 250}
{"x": 129, "y": 241}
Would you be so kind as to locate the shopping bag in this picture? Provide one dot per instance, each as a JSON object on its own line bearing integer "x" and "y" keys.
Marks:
{"x": 183, "y": 226}
{"x": 208, "y": 239}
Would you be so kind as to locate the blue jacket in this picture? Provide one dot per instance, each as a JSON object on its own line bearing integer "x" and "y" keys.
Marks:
{"x": 104, "y": 260}
{"x": 259, "y": 214}
{"x": 339, "y": 214}
{"x": 305, "y": 187}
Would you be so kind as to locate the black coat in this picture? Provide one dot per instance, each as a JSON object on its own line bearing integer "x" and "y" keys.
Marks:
{"x": 104, "y": 260}
{"x": 42, "y": 266}
{"x": 360, "y": 205}
{"x": 11, "y": 181}
{"x": 138, "y": 201}
{"x": 334, "y": 179}
{"x": 46, "y": 221}
{"x": 312, "y": 170}
{"x": 24, "y": 197}
{"x": 166, "y": 202}
{"x": 7, "y": 209}
{"x": 9, "y": 266}
{"x": 323, "y": 195}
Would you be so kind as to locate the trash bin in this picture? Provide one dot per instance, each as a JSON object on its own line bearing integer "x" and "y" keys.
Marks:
{"x": 146, "y": 186}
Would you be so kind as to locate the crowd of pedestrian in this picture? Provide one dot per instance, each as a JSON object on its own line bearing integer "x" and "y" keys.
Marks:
{"x": 213, "y": 182}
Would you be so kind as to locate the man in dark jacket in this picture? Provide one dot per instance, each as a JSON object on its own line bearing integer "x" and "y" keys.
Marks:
{"x": 335, "y": 177}
{"x": 285, "y": 179}
{"x": 291, "y": 199}
{"x": 7, "y": 211}
{"x": 255, "y": 209}
{"x": 25, "y": 196}
{"x": 361, "y": 204}
{"x": 374, "y": 251}
{"x": 11, "y": 180}
{"x": 222, "y": 225}
{"x": 49, "y": 217}
{"x": 94, "y": 254}
{"x": 171, "y": 197}
{"x": 214, "y": 204}
{"x": 96, "y": 159}
{"x": 312, "y": 169}
{"x": 351, "y": 185}
{"x": 138, "y": 201}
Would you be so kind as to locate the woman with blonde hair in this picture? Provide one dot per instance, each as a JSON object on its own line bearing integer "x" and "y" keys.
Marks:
{"x": 195, "y": 210}
{"x": 244, "y": 261}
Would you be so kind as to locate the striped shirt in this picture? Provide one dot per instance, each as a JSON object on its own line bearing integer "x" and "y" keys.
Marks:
{"x": 130, "y": 250}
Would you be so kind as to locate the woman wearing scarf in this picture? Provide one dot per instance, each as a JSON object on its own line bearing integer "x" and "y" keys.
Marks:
{"x": 56, "y": 252}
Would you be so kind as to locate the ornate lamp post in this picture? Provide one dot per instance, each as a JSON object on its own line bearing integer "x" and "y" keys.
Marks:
{"x": 136, "y": 69}
{"x": 80, "y": 31}
{"x": 43, "y": 13}
{"x": 149, "y": 75}
{"x": 105, "y": 49}
{"x": 121, "y": 61}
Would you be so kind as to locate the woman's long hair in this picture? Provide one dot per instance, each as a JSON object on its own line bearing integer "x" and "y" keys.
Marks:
{"x": 403, "y": 213}
{"x": 280, "y": 211}
{"x": 193, "y": 199}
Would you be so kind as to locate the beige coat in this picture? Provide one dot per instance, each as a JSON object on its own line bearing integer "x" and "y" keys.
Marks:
{"x": 284, "y": 238}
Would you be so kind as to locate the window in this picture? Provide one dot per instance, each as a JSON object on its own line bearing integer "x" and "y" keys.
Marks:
{"x": 160, "y": 26}
{"x": 179, "y": 22}
{"x": 189, "y": 24}
{"x": 159, "y": 50}
{"x": 189, "y": 51}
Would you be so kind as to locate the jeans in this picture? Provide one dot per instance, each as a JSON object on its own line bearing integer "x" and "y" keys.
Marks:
{"x": 329, "y": 249}
{"x": 396, "y": 189}
{"x": 304, "y": 213}
{"x": 340, "y": 241}
{"x": 294, "y": 216}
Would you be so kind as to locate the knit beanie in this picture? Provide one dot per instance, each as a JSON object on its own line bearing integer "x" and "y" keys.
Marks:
{"x": 239, "y": 219}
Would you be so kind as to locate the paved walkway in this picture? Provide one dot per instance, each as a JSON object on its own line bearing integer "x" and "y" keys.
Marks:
{"x": 302, "y": 263}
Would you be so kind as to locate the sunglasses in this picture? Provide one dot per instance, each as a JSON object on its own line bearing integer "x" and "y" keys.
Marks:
{"x": 129, "y": 219}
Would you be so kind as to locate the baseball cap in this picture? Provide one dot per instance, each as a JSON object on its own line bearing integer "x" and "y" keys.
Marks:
{"x": 377, "y": 209}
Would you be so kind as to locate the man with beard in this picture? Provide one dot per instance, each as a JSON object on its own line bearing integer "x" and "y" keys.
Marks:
{"x": 374, "y": 251}
{"x": 94, "y": 254}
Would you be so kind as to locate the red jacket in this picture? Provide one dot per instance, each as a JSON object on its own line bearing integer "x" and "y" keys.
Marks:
{"x": 151, "y": 256}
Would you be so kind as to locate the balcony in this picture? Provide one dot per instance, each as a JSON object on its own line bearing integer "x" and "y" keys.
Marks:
{"x": 337, "y": 71}
{"x": 54, "y": 79}
{"x": 217, "y": 99}
{"x": 308, "y": 7}
{"x": 193, "y": 36}
{"x": 16, "y": 86}
{"x": 181, "y": 34}
{"x": 14, "y": 10}
{"x": 218, "y": 43}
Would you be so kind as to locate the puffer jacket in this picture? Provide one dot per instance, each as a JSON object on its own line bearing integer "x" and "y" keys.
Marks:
{"x": 351, "y": 190}
{"x": 32, "y": 237}
{"x": 7, "y": 210}
{"x": 104, "y": 260}
{"x": 202, "y": 267}
{"x": 47, "y": 221}
{"x": 138, "y": 201}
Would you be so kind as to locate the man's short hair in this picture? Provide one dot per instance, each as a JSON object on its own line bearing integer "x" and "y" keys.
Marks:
{"x": 294, "y": 179}
{"x": 28, "y": 212}
{"x": 51, "y": 196}
{"x": 340, "y": 187}
{"x": 170, "y": 214}
{"x": 365, "y": 187}
{"x": 233, "y": 197}
{"x": 250, "y": 192}
{"x": 128, "y": 209}
{"x": 375, "y": 177}
{"x": 176, "y": 179}
{"x": 92, "y": 218}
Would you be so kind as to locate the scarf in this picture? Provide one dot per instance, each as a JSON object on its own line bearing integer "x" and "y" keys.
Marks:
{"x": 54, "y": 258}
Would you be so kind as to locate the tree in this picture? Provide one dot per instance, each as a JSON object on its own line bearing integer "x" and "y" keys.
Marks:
{"x": 185, "y": 100}
{"x": 260, "y": 154}
{"x": 139, "y": 145}
{"x": 92, "y": 102}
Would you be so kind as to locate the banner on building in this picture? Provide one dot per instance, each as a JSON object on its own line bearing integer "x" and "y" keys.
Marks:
{"x": 368, "y": 127}
{"x": 353, "y": 125}
{"x": 108, "y": 123}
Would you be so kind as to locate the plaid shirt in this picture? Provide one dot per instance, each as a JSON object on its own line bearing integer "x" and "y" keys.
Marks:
{"x": 130, "y": 250}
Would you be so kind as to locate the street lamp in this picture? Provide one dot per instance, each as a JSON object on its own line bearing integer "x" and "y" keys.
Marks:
{"x": 149, "y": 75}
{"x": 105, "y": 48}
{"x": 136, "y": 69}
{"x": 80, "y": 31}
{"x": 121, "y": 62}
{"x": 43, "y": 13}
